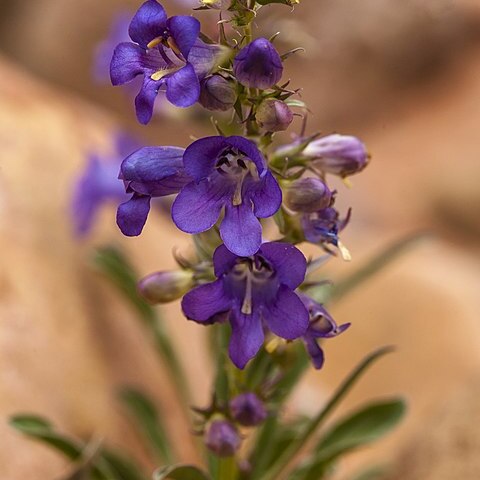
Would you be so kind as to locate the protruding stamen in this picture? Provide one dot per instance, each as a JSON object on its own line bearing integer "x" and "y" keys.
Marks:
{"x": 247, "y": 301}
{"x": 344, "y": 251}
{"x": 237, "y": 196}
{"x": 171, "y": 43}
{"x": 158, "y": 75}
{"x": 155, "y": 42}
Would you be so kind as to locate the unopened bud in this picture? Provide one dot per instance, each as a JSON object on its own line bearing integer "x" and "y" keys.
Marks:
{"x": 248, "y": 410}
{"x": 164, "y": 287}
{"x": 274, "y": 115}
{"x": 341, "y": 155}
{"x": 222, "y": 438}
{"x": 217, "y": 4}
{"x": 307, "y": 195}
{"x": 217, "y": 93}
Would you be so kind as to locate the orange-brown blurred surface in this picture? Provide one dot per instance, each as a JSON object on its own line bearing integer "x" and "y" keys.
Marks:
{"x": 404, "y": 76}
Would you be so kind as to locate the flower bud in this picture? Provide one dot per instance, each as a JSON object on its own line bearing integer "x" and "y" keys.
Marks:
{"x": 222, "y": 438}
{"x": 164, "y": 287}
{"x": 258, "y": 65}
{"x": 217, "y": 93}
{"x": 341, "y": 155}
{"x": 217, "y": 4}
{"x": 307, "y": 195}
{"x": 248, "y": 410}
{"x": 274, "y": 115}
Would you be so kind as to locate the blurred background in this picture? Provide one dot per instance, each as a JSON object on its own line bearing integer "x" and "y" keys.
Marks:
{"x": 403, "y": 76}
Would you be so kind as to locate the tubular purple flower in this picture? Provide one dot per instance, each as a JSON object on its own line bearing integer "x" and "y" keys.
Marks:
{"x": 323, "y": 227}
{"x": 248, "y": 410}
{"x": 341, "y": 155}
{"x": 146, "y": 173}
{"x": 217, "y": 93}
{"x": 164, "y": 287}
{"x": 308, "y": 195}
{"x": 258, "y": 65}
{"x": 99, "y": 184}
{"x": 229, "y": 173}
{"x": 169, "y": 55}
{"x": 322, "y": 325}
{"x": 253, "y": 293}
{"x": 274, "y": 115}
{"x": 222, "y": 438}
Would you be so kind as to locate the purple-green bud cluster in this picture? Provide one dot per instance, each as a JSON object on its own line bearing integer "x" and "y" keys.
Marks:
{"x": 164, "y": 287}
{"x": 307, "y": 195}
{"x": 274, "y": 115}
{"x": 217, "y": 93}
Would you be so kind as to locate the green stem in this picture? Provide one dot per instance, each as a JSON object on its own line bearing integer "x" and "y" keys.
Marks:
{"x": 227, "y": 469}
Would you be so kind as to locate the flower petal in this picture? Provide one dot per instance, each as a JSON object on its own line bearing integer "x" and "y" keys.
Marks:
{"x": 126, "y": 64}
{"x": 132, "y": 215}
{"x": 288, "y": 261}
{"x": 146, "y": 98}
{"x": 315, "y": 352}
{"x": 246, "y": 339}
{"x": 183, "y": 87}
{"x": 200, "y": 157}
{"x": 223, "y": 260}
{"x": 204, "y": 57}
{"x": 266, "y": 196}
{"x": 184, "y": 30}
{"x": 148, "y": 23}
{"x": 197, "y": 207}
{"x": 206, "y": 301}
{"x": 240, "y": 229}
{"x": 287, "y": 316}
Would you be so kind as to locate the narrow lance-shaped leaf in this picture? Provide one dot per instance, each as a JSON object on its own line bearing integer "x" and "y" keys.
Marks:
{"x": 149, "y": 421}
{"x": 113, "y": 263}
{"x": 362, "y": 427}
{"x": 279, "y": 466}
{"x": 180, "y": 472}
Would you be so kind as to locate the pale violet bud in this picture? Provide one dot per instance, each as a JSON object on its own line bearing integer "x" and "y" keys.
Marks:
{"x": 217, "y": 93}
{"x": 222, "y": 438}
{"x": 307, "y": 195}
{"x": 164, "y": 287}
{"x": 274, "y": 115}
{"x": 217, "y": 4}
{"x": 341, "y": 155}
{"x": 248, "y": 410}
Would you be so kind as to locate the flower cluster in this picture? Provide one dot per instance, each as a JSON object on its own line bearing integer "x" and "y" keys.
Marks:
{"x": 230, "y": 184}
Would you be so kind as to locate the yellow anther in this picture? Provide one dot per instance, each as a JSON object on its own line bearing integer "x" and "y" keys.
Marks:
{"x": 155, "y": 42}
{"x": 347, "y": 182}
{"x": 173, "y": 46}
{"x": 344, "y": 251}
{"x": 273, "y": 344}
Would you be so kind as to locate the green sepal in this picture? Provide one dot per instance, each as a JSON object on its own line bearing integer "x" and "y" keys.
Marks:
{"x": 180, "y": 472}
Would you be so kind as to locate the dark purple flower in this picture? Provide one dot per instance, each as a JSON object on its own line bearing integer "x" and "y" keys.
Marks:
{"x": 103, "y": 53}
{"x": 308, "y": 195}
{"x": 99, "y": 184}
{"x": 258, "y": 65}
{"x": 323, "y": 226}
{"x": 169, "y": 55}
{"x": 228, "y": 172}
{"x": 247, "y": 409}
{"x": 322, "y": 325}
{"x": 222, "y": 438}
{"x": 146, "y": 173}
{"x": 253, "y": 293}
{"x": 341, "y": 155}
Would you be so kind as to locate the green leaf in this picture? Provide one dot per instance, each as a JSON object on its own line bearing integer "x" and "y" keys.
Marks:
{"x": 180, "y": 472}
{"x": 40, "y": 429}
{"x": 361, "y": 428}
{"x": 149, "y": 422}
{"x": 376, "y": 472}
{"x": 114, "y": 264}
{"x": 123, "y": 467}
{"x": 279, "y": 466}
{"x": 290, "y": 3}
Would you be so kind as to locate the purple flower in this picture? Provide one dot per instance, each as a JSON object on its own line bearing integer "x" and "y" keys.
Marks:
{"x": 274, "y": 115}
{"x": 341, "y": 155}
{"x": 146, "y": 173}
{"x": 247, "y": 409}
{"x": 227, "y": 172}
{"x": 322, "y": 325}
{"x": 253, "y": 293}
{"x": 217, "y": 93}
{"x": 99, "y": 185}
{"x": 323, "y": 226}
{"x": 169, "y": 55}
{"x": 222, "y": 438}
{"x": 308, "y": 195}
{"x": 258, "y": 65}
